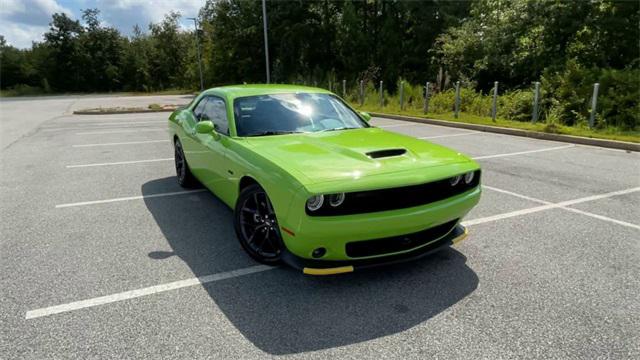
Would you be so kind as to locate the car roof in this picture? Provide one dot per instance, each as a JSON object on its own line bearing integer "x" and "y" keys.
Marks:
{"x": 235, "y": 91}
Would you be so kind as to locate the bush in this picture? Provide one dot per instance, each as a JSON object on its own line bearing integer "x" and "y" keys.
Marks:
{"x": 22, "y": 90}
{"x": 442, "y": 102}
{"x": 516, "y": 105}
{"x": 565, "y": 99}
{"x": 569, "y": 95}
{"x": 474, "y": 102}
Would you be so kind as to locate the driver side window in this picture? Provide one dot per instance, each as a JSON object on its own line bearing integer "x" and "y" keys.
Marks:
{"x": 198, "y": 112}
{"x": 216, "y": 110}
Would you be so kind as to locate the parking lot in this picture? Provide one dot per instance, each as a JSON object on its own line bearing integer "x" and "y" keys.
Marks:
{"x": 104, "y": 255}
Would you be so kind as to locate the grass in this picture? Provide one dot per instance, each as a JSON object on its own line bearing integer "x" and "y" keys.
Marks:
{"x": 610, "y": 133}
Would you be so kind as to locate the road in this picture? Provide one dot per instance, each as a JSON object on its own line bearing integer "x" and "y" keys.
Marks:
{"x": 103, "y": 255}
{"x": 23, "y": 115}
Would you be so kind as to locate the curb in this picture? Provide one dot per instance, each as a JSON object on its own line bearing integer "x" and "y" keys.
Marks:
{"x": 612, "y": 144}
{"x": 112, "y": 112}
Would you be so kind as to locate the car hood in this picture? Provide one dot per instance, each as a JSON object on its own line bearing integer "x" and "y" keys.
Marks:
{"x": 351, "y": 154}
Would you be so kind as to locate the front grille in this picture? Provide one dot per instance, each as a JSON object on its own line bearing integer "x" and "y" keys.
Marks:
{"x": 362, "y": 202}
{"x": 398, "y": 243}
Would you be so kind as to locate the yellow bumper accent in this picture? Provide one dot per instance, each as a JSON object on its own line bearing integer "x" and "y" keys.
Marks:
{"x": 461, "y": 237}
{"x": 329, "y": 271}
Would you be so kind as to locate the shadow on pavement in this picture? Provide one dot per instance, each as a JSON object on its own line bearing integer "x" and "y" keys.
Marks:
{"x": 283, "y": 311}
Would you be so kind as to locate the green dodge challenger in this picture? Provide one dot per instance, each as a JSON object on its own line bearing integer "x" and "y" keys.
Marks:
{"x": 313, "y": 185}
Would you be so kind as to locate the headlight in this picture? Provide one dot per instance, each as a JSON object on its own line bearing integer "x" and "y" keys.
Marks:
{"x": 468, "y": 177}
{"x": 315, "y": 202}
{"x": 455, "y": 180}
{"x": 336, "y": 200}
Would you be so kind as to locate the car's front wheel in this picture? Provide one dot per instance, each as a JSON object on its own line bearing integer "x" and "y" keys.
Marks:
{"x": 256, "y": 225}
{"x": 183, "y": 173}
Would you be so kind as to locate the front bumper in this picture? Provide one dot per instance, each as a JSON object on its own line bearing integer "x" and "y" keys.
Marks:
{"x": 303, "y": 235}
{"x": 331, "y": 267}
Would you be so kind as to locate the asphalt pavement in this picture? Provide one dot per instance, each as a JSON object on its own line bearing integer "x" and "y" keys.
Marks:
{"x": 103, "y": 255}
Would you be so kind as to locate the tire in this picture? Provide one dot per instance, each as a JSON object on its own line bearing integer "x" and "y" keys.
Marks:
{"x": 183, "y": 173}
{"x": 257, "y": 227}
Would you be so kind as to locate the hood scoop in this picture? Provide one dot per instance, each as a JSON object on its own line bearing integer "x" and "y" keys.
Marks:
{"x": 386, "y": 153}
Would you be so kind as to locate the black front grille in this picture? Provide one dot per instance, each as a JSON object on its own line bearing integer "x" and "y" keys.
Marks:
{"x": 362, "y": 202}
{"x": 398, "y": 243}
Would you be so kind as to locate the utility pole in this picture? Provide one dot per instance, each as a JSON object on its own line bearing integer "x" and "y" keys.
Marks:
{"x": 195, "y": 21}
{"x": 266, "y": 38}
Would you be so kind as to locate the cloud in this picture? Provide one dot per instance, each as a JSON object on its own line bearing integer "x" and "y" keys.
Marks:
{"x": 21, "y": 36}
{"x": 24, "y": 21}
{"x": 124, "y": 14}
{"x": 30, "y": 12}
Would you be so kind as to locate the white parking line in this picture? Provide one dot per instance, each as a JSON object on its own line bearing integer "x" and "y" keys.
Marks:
{"x": 102, "y": 300}
{"x": 523, "y": 152}
{"x": 120, "y": 131}
{"x": 395, "y": 125}
{"x": 602, "y": 217}
{"x": 128, "y": 198}
{"x": 124, "y": 123}
{"x": 120, "y": 143}
{"x": 132, "y": 294}
{"x": 96, "y": 126}
{"x": 548, "y": 205}
{"x": 90, "y": 118}
{"x": 118, "y": 163}
{"x": 596, "y": 216}
{"x": 450, "y": 135}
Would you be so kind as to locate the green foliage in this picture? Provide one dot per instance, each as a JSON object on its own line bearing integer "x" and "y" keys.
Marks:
{"x": 567, "y": 45}
{"x": 516, "y": 41}
{"x": 569, "y": 95}
{"x": 22, "y": 90}
{"x": 565, "y": 99}
{"x": 91, "y": 57}
{"x": 516, "y": 105}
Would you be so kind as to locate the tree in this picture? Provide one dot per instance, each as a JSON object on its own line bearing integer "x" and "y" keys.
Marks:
{"x": 65, "y": 50}
{"x": 102, "y": 52}
{"x": 516, "y": 41}
{"x": 169, "y": 47}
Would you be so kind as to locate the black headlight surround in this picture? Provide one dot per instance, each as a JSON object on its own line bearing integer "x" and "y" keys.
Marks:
{"x": 363, "y": 202}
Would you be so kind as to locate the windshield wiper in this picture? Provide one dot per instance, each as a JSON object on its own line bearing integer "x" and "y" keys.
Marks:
{"x": 338, "y": 128}
{"x": 273, "y": 132}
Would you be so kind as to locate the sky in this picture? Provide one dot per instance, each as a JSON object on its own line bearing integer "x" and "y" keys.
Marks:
{"x": 25, "y": 21}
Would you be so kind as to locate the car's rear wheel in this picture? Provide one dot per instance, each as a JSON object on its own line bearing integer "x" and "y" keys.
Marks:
{"x": 256, "y": 225}
{"x": 185, "y": 177}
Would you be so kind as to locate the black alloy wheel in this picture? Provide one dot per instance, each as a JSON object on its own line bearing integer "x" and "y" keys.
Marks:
{"x": 185, "y": 177}
{"x": 256, "y": 225}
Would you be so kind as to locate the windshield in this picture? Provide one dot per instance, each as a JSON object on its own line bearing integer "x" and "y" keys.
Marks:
{"x": 293, "y": 113}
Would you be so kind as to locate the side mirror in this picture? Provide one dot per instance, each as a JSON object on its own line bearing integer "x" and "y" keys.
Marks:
{"x": 365, "y": 116}
{"x": 204, "y": 127}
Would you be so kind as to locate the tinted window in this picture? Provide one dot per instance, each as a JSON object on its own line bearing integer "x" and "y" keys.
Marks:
{"x": 199, "y": 109}
{"x": 216, "y": 111}
{"x": 292, "y": 113}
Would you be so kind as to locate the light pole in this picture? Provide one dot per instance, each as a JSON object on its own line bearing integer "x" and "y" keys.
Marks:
{"x": 195, "y": 21}
{"x": 266, "y": 38}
